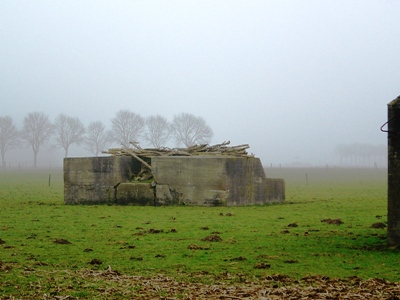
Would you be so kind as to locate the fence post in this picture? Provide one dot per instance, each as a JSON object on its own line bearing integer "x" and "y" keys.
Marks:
{"x": 393, "y": 125}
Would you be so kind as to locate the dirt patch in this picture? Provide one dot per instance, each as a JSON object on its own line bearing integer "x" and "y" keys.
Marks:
{"x": 112, "y": 284}
{"x": 151, "y": 230}
{"x": 239, "y": 258}
{"x": 332, "y": 221}
{"x": 2, "y": 242}
{"x": 262, "y": 266}
{"x": 197, "y": 247}
{"x": 212, "y": 238}
{"x": 379, "y": 225}
{"x": 290, "y": 261}
{"x": 136, "y": 258}
{"x": 5, "y": 267}
{"x": 95, "y": 261}
{"x": 62, "y": 241}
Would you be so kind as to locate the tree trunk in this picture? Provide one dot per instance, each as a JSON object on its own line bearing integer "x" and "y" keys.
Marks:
{"x": 35, "y": 159}
{"x": 3, "y": 160}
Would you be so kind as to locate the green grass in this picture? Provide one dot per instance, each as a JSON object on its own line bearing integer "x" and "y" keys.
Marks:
{"x": 33, "y": 216}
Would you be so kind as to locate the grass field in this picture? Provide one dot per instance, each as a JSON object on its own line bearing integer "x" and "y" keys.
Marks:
{"x": 45, "y": 241}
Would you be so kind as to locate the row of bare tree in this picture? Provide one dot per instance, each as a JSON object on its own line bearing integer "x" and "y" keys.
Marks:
{"x": 359, "y": 154}
{"x": 127, "y": 126}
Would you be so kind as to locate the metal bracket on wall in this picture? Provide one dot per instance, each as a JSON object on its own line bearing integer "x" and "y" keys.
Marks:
{"x": 386, "y": 123}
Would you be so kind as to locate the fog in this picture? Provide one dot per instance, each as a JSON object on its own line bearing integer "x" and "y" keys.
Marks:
{"x": 293, "y": 79}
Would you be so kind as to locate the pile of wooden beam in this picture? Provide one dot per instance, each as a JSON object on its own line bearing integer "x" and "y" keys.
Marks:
{"x": 144, "y": 154}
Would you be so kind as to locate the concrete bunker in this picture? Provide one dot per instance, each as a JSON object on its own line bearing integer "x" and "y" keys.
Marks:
{"x": 207, "y": 176}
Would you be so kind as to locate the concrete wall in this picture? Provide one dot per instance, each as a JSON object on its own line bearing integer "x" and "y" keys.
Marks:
{"x": 212, "y": 180}
{"x": 91, "y": 180}
{"x": 192, "y": 180}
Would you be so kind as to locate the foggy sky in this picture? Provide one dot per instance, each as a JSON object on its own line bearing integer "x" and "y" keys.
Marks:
{"x": 291, "y": 78}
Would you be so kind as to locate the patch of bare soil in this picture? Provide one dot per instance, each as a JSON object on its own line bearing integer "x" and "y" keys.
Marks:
{"x": 4, "y": 267}
{"x": 197, "y": 247}
{"x": 262, "y": 266}
{"x": 239, "y": 258}
{"x": 379, "y": 225}
{"x": 95, "y": 261}
{"x": 332, "y": 221}
{"x": 290, "y": 261}
{"x": 62, "y": 241}
{"x": 136, "y": 258}
{"x": 152, "y": 230}
{"x": 2, "y": 242}
{"x": 212, "y": 238}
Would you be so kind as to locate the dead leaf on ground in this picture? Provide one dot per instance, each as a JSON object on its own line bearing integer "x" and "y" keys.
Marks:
{"x": 274, "y": 287}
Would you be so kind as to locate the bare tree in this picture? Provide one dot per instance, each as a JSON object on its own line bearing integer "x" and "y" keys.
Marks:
{"x": 361, "y": 154}
{"x": 97, "y": 137}
{"x": 158, "y": 131}
{"x": 127, "y": 126}
{"x": 8, "y": 137}
{"x": 68, "y": 131}
{"x": 37, "y": 129}
{"x": 191, "y": 130}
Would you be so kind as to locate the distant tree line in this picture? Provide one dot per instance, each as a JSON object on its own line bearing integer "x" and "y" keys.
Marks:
{"x": 126, "y": 126}
{"x": 358, "y": 154}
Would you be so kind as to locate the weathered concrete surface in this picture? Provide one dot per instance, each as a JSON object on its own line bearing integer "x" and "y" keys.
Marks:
{"x": 212, "y": 180}
{"x": 195, "y": 180}
{"x": 393, "y": 229}
{"x": 135, "y": 194}
{"x": 91, "y": 180}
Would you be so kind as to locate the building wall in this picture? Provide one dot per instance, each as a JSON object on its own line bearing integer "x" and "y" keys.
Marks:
{"x": 91, "y": 180}
{"x": 212, "y": 180}
{"x": 191, "y": 180}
